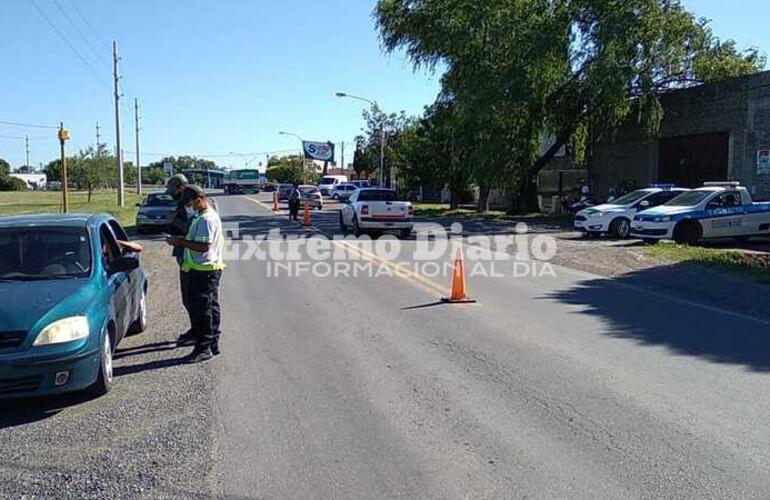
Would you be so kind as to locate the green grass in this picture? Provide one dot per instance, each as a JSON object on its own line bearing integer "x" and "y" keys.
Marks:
{"x": 467, "y": 212}
{"x": 442, "y": 210}
{"x": 37, "y": 202}
{"x": 756, "y": 266}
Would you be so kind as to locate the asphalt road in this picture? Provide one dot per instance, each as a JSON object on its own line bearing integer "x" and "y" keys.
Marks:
{"x": 557, "y": 386}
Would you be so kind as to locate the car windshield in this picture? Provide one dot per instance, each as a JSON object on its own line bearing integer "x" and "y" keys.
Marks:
{"x": 308, "y": 189}
{"x": 44, "y": 253}
{"x": 160, "y": 200}
{"x": 377, "y": 195}
{"x": 328, "y": 180}
{"x": 630, "y": 198}
{"x": 688, "y": 199}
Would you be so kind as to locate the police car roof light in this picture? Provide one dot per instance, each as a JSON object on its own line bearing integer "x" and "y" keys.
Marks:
{"x": 658, "y": 185}
{"x": 722, "y": 184}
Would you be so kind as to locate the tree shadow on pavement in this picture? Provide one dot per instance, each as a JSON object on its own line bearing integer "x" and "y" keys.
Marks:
{"x": 664, "y": 313}
{"x": 22, "y": 411}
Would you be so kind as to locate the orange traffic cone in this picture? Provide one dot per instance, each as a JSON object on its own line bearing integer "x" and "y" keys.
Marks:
{"x": 307, "y": 214}
{"x": 459, "y": 294}
{"x": 275, "y": 202}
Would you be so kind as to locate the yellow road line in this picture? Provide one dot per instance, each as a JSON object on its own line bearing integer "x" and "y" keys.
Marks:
{"x": 399, "y": 271}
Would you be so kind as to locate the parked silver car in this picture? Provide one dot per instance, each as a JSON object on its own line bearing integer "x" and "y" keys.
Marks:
{"x": 311, "y": 194}
{"x": 342, "y": 192}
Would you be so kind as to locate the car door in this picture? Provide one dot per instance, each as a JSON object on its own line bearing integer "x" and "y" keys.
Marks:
{"x": 723, "y": 218}
{"x": 135, "y": 276}
{"x": 349, "y": 209}
{"x": 118, "y": 282}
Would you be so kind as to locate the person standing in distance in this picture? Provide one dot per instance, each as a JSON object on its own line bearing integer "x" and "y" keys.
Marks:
{"x": 294, "y": 201}
{"x": 203, "y": 263}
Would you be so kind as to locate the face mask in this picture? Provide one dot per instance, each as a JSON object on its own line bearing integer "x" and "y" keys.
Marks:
{"x": 191, "y": 212}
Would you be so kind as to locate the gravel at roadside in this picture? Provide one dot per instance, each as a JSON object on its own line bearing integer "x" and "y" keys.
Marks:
{"x": 149, "y": 437}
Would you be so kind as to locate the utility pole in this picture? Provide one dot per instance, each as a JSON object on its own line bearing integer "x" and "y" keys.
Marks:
{"x": 64, "y": 136}
{"x": 118, "y": 149}
{"x": 342, "y": 155}
{"x": 138, "y": 165}
{"x": 26, "y": 148}
{"x": 99, "y": 156}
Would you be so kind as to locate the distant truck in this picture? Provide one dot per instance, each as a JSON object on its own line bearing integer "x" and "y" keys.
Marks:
{"x": 329, "y": 182}
{"x": 33, "y": 181}
{"x": 717, "y": 210}
{"x": 243, "y": 181}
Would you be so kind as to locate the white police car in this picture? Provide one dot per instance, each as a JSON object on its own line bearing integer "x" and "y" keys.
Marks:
{"x": 614, "y": 218}
{"x": 717, "y": 210}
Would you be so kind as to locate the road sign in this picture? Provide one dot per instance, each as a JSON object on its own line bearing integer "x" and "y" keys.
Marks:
{"x": 323, "y": 151}
{"x": 168, "y": 167}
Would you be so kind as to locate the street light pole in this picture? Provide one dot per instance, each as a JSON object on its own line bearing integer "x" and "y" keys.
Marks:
{"x": 381, "y": 175}
{"x": 302, "y": 147}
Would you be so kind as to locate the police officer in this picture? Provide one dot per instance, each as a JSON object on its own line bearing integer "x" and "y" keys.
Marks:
{"x": 294, "y": 202}
{"x": 203, "y": 249}
{"x": 179, "y": 225}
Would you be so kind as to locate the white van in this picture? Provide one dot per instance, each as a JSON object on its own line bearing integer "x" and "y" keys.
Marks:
{"x": 328, "y": 183}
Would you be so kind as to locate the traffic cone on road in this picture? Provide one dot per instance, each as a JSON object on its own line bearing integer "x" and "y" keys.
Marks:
{"x": 307, "y": 215}
{"x": 275, "y": 202}
{"x": 459, "y": 294}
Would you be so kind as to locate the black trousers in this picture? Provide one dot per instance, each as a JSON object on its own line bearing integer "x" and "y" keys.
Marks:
{"x": 294, "y": 209}
{"x": 205, "y": 313}
{"x": 184, "y": 279}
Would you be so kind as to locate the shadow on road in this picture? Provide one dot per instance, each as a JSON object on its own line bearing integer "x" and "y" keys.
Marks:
{"x": 145, "y": 349}
{"x": 159, "y": 364}
{"x": 22, "y": 411}
{"x": 685, "y": 328}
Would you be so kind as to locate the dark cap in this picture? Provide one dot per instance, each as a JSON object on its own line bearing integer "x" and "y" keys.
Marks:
{"x": 174, "y": 182}
{"x": 192, "y": 192}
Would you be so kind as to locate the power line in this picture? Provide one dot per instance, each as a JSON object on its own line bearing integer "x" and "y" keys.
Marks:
{"x": 30, "y": 125}
{"x": 67, "y": 42}
{"x": 214, "y": 155}
{"x": 80, "y": 32}
{"x": 21, "y": 137}
{"x": 87, "y": 23}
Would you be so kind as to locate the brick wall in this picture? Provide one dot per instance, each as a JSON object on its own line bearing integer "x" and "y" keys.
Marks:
{"x": 739, "y": 106}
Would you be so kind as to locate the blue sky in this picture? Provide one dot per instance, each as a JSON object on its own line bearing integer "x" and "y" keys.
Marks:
{"x": 223, "y": 76}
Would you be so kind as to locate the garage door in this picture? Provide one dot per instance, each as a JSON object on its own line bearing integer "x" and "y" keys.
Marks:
{"x": 690, "y": 161}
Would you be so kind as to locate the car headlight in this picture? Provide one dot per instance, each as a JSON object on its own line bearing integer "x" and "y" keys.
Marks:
{"x": 64, "y": 330}
{"x": 662, "y": 219}
{"x": 596, "y": 215}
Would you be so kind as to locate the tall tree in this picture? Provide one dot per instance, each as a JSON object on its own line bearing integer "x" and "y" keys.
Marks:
{"x": 516, "y": 69}
{"x": 5, "y": 168}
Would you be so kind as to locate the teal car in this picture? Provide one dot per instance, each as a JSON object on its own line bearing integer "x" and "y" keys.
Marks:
{"x": 71, "y": 287}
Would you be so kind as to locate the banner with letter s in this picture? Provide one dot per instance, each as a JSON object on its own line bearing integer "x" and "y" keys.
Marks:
{"x": 323, "y": 151}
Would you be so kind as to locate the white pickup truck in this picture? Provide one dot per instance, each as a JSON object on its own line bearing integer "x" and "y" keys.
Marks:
{"x": 717, "y": 210}
{"x": 373, "y": 209}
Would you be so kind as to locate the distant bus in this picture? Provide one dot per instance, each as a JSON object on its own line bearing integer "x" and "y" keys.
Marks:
{"x": 242, "y": 181}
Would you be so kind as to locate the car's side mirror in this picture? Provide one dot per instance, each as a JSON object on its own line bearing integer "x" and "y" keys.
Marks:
{"x": 644, "y": 204}
{"x": 139, "y": 205}
{"x": 124, "y": 265}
